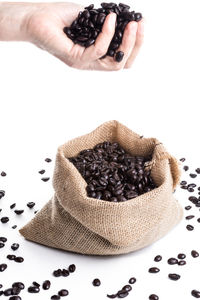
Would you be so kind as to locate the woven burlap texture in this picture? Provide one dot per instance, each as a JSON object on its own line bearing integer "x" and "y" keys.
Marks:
{"x": 74, "y": 222}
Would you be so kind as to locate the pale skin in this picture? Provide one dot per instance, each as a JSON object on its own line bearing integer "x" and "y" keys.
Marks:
{"x": 42, "y": 24}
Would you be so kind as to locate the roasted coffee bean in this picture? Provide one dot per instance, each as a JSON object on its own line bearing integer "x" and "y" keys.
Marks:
{"x": 185, "y": 168}
{"x": 188, "y": 207}
{"x": 3, "y": 174}
{"x": 48, "y": 160}
{"x": 4, "y": 220}
{"x": 113, "y": 296}
{"x": 11, "y": 257}
{"x": 19, "y": 211}
{"x": 193, "y": 185}
{"x": 3, "y": 239}
{"x": 182, "y": 159}
{"x": 132, "y": 280}
{"x": 190, "y": 189}
{"x": 194, "y": 253}
{"x": 45, "y": 179}
{"x": 181, "y": 256}
{"x": 193, "y": 175}
{"x": 158, "y": 258}
{"x": 122, "y": 294}
{"x": 1, "y": 286}
{"x": 72, "y": 268}
{"x": 96, "y": 282}
{"x": 8, "y": 292}
{"x": 16, "y": 291}
{"x": 190, "y": 227}
{"x": 182, "y": 263}
{"x": 18, "y": 285}
{"x": 3, "y": 267}
{"x": 14, "y": 226}
{"x": 63, "y": 293}
{"x": 33, "y": 289}
{"x": 174, "y": 276}
{"x": 46, "y": 285}
{"x": 183, "y": 182}
{"x": 12, "y": 205}
{"x": 172, "y": 261}
{"x": 119, "y": 56}
{"x": 65, "y": 273}
{"x": 2, "y": 194}
{"x": 127, "y": 288}
{"x": 198, "y": 220}
{"x": 55, "y": 297}
{"x": 195, "y": 293}
{"x": 189, "y": 217}
{"x": 154, "y": 270}
{"x": 15, "y": 298}
{"x": 153, "y": 297}
{"x": 19, "y": 259}
{"x": 36, "y": 284}
{"x": 31, "y": 204}
{"x": 57, "y": 273}
{"x": 2, "y": 245}
{"x": 14, "y": 246}
{"x": 198, "y": 170}
{"x": 1, "y": 293}
{"x": 41, "y": 172}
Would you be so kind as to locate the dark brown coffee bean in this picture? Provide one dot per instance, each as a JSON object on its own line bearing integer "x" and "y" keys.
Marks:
{"x": 45, "y": 179}
{"x": 4, "y": 220}
{"x": 12, "y": 205}
{"x": 7, "y": 292}
{"x": 172, "y": 261}
{"x": 14, "y": 227}
{"x": 138, "y": 17}
{"x": 15, "y": 246}
{"x": 36, "y": 284}
{"x": 122, "y": 294}
{"x": 127, "y": 288}
{"x": 3, "y": 239}
{"x": 194, "y": 253}
{"x": 33, "y": 289}
{"x": 174, "y": 276}
{"x": 154, "y": 270}
{"x": 19, "y": 211}
{"x": 96, "y": 282}
{"x": 153, "y": 297}
{"x": 2, "y": 245}
{"x": 195, "y": 293}
{"x": 182, "y": 159}
{"x": 132, "y": 280}
{"x": 190, "y": 227}
{"x": 198, "y": 220}
{"x": 198, "y": 170}
{"x": 119, "y": 56}
{"x": 19, "y": 259}
{"x": 2, "y": 194}
{"x": 31, "y": 204}
{"x": 46, "y": 285}
{"x": 185, "y": 168}
{"x": 72, "y": 268}
{"x": 18, "y": 285}
{"x": 158, "y": 258}
{"x": 189, "y": 217}
{"x": 181, "y": 256}
{"x": 3, "y": 267}
{"x": 113, "y": 296}
{"x": 188, "y": 207}
{"x": 193, "y": 175}
{"x": 65, "y": 273}
{"x": 11, "y": 257}
{"x": 3, "y": 174}
{"x": 57, "y": 273}
{"x": 16, "y": 291}
{"x": 15, "y": 298}
{"x": 48, "y": 160}
{"x": 55, "y": 297}
{"x": 63, "y": 293}
{"x": 41, "y": 171}
{"x": 183, "y": 182}
{"x": 182, "y": 263}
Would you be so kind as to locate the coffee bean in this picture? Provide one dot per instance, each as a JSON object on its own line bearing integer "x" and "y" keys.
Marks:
{"x": 33, "y": 289}
{"x": 36, "y": 284}
{"x": 1, "y": 293}
{"x": 11, "y": 257}
{"x": 31, "y": 204}
{"x": 182, "y": 263}
{"x": 195, "y": 293}
{"x": 19, "y": 285}
{"x": 12, "y": 205}
{"x": 72, "y": 268}
{"x": 2, "y": 194}
{"x": 16, "y": 291}
{"x": 65, "y": 273}
{"x": 127, "y": 288}
{"x": 48, "y": 160}
{"x": 122, "y": 294}
{"x": 3, "y": 174}
{"x": 8, "y": 292}
{"x": 158, "y": 258}
{"x": 57, "y": 273}
{"x": 112, "y": 296}
{"x": 185, "y": 168}
{"x": 153, "y": 297}
{"x": 188, "y": 207}
{"x": 55, "y": 297}
{"x": 41, "y": 172}
{"x": 63, "y": 293}
{"x": 19, "y": 259}
{"x": 172, "y": 261}
{"x": 132, "y": 280}
{"x": 45, "y": 179}
{"x": 191, "y": 190}
{"x": 198, "y": 170}
{"x": 181, "y": 256}
{"x": 194, "y": 253}
{"x": 19, "y": 211}
{"x": 15, "y": 298}
{"x": 174, "y": 276}
{"x": 4, "y": 220}
{"x": 154, "y": 270}
{"x": 3, "y": 267}
{"x": 2, "y": 245}
{"x": 190, "y": 227}
{"x": 193, "y": 175}
{"x": 96, "y": 282}
{"x": 14, "y": 227}
{"x": 183, "y": 182}
{"x": 46, "y": 285}
{"x": 182, "y": 159}
{"x": 1, "y": 286}
{"x": 3, "y": 239}
{"x": 198, "y": 220}
{"x": 119, "y": 56}
{"x": 14, "y": 246}
{"x": 189, "y": 217}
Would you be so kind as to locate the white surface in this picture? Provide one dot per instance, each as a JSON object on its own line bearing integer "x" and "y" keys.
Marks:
{"x": 44, "y": 103}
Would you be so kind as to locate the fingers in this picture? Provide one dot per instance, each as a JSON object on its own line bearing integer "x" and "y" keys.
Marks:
{"x": 103, "y": 40}
{"x": 138, "y": 44}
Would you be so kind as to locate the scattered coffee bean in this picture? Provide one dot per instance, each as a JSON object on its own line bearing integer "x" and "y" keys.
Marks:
{"x": 33, "y": 289}
{"x": 55, "y": 297}
{"x": 48, "y": 160}
{"x": 14, "y": 246}
{"x": 1, "y": 286}
{"x": 193, "y": 175}
{"x": 190, "y": 227}
{"x": 181, "y": 256}
{"x": 190, "y": 189}
{"x": 154, "y": 270}
{"x": 3, "y": 239}
{"x": 15, "y": 298}
{"x": 45, "y": 179}
{"x": 122, "y": 294}
{"x": 119, "y": 56}
{"x": 2, "y": 245}
{"x": 31, "y": 204}
{"x": 4, "y": 220}
{"x": 2, "y": 194}
{"x": 198, "y": 220}
{"x": 18, "y": 285}
{"x": 96, "y": 282}
{"x": 188, "y": 207}
{"x": 132, "y": 280}
{"x": 19, "y": 259}
{"x": 41, "y": 172}
{"x": 12, "y": 205}
{"x": 185, "y": 168}
{"x": 57, "y": 273}
{"x": 158, "y": 258}
{"x": 172, "y": 261}
{"x": 153, "y": 297}
{"x": 1, "y": 293}
{"x": 182, "y": 159}
{"x": 36, "y": 284}
{"x": 127, "y": 288}
{"x": 3, "y": 174}
{"x": 182, "y": 262}
{"x": 63, "y": 293}
{"x": 183, "y": 182}
{"x": 46, "y": 285}
{"x": 195, "y": 293}
{"x": 194, "y": 253}
{"x": 3, "y": 267}
{"x": 7, "y": 292}
{"x": 65, "y": 273}
{"x": 189, "y": 217}
{"x": 112, "y": 296}
{"x": 14, "y": 226}
{"x": 174, "y": 276}
{"x": 72, "y": 268}
{"x": 16, "y": 291}
{"x": 11, "y": 257}
{"x": 198, "y": 170}
{"x": 19, "y": 211}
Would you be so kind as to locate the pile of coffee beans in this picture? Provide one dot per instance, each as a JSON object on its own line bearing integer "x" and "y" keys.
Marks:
{"x": 112, "y": 174}
{"x": 86, "y": 27}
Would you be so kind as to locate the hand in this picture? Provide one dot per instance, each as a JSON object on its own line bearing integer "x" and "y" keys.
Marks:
{"x": 43, "y": 25}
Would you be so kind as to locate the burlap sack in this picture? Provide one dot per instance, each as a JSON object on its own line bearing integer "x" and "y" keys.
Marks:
{"x": 74, "y": 222}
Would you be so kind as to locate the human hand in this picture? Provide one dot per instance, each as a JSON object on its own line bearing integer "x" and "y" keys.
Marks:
{"x": 43, "y": 23}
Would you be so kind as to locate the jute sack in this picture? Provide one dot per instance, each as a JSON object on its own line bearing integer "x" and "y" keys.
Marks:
{"x": 74, "y": 222}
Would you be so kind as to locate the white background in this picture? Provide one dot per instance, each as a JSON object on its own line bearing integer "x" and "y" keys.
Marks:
{"x": 43, "y": 103}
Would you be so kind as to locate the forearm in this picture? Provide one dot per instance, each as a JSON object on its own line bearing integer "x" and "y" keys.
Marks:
{"x": 12, "y": 20}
